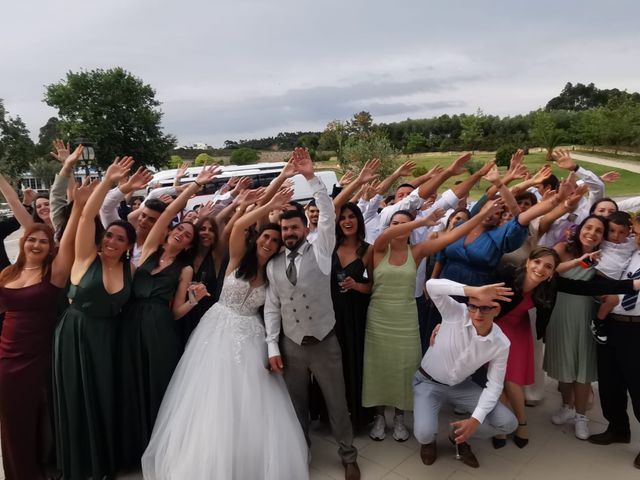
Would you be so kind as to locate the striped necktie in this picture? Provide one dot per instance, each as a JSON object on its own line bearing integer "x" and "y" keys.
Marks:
{"x": 630, "y": 299}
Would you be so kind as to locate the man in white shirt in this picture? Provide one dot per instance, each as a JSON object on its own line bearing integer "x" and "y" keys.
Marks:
{"x": 618, "y": 365}
{"x": 466, "y": 340}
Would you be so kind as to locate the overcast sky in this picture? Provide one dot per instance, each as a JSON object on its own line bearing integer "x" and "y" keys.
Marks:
{"x": 243, "y": 69}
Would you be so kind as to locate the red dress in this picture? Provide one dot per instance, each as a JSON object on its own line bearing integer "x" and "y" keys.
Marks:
{"x": 25, "y": 368}
{"x": 517, "y": 327}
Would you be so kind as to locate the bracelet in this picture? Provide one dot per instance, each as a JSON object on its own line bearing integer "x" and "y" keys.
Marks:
{"x": 575, "y": 169}
{"x": 199, "y": 184}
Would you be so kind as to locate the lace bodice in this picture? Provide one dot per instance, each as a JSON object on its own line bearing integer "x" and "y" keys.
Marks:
{"x": 238, "y": 295}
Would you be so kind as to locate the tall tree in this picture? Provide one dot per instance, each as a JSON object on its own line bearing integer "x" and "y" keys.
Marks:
{"x": 621, "y": 122}
{"x": 358, "y": 150}
{"x": 16, "y": 148}
{"x": 115, "y": 110}
{"x": 361, "y": 124}
{"x": 471, "y": 129}
{"x": 333, "y": 138}
{"x": 48, "y": 133}
{"x": 545, "y": 133}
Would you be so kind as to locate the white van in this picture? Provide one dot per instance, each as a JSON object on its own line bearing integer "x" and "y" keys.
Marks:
{"x": 261, "y": 174}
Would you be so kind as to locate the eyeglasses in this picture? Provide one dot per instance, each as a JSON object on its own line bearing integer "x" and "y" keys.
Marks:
{"x": 482, "y": 309}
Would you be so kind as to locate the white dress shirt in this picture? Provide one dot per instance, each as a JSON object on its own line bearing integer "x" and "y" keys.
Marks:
{"x": 459, "y": 351}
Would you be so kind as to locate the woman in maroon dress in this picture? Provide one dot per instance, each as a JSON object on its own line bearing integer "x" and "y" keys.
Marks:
{"x": 30, "y": 291}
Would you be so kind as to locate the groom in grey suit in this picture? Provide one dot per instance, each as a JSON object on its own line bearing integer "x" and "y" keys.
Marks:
{"x": 299, "y": 305}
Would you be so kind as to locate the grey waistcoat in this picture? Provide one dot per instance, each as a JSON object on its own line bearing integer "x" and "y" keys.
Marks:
{"x": 306, "y": 308}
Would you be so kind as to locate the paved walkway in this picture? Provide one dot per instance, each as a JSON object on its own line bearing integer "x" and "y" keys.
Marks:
{"x": 630, "y": 165}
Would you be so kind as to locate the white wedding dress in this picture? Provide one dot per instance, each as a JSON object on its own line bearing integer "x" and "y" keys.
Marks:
{"x": 224, "y": 415}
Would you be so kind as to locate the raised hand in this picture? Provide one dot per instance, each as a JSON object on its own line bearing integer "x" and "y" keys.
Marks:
{"x": 457, "y": 167}
{"x": 347, "y": 178}
{"x": 610, "y": 177}
{"x": 567, "y": 187}
{"x": 84, "y": 191}
{"x": 118, "y": 169}
{"x": 370, "y": 190}
{"x": 490, "y": 293}
{"x": 61, "y": 152}
{"x": 281, "y": 198}
{"x": 369, "y": 171}
{"x": 572, "y": 202}
{"x": 71, "y": 160}
{"x": 517, "y": 159}
{"x": 303, "y": 163}
{"x": 289, "y": 169}
{"x": 140, "y": 179}
{"x": 182, "y": 170}
{"x": 207, "y": 174}
{"x": 29, "y": 196}
{"x": 405, "y": 169}
{"x": 491, "y": 207}
{"x": 486, "y": 168}
{"x": 563, "y": 159}
{"x": 542, "y": 174}
{"x": 519, "y": 171}
{"x": 242, "y": 184}
{"x": 249, "y": 197}
{"x": 166, "y": 199}
{"x": 493, "y": 176}
{"x": 205, "y": 210}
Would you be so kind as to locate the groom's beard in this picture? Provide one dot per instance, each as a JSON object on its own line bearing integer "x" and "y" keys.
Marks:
{"x": 293, "y": 242}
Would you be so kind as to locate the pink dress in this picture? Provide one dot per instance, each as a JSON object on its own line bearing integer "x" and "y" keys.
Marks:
{"x": 517, "y": 327}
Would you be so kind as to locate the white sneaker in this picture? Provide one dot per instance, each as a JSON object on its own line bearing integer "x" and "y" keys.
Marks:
{"x": 564, "y": 415}
{"x": 400, "y": 432}
{"x": 377, "y": 431}
{"x": 582, "y": 427}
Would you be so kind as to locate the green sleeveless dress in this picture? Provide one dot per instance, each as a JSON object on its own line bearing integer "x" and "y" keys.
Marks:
{"x": 392, "y": 341}
{"x": 84, "y": 376}
{"x": 149, "y": 350}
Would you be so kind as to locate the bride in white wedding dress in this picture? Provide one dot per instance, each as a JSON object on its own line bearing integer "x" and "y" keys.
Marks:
{"x": 225, "y": 416}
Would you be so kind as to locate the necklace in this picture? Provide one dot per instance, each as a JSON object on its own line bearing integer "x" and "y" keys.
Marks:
{"x": 31, "y": 268}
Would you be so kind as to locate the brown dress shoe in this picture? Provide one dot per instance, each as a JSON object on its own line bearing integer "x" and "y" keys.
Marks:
{"x": 636, "y": 462}
{"x": 467, "y": 456}
{"x": 351, "y": 471}
{"x": 429, "y": 453}
{"x": 608, "y": 437}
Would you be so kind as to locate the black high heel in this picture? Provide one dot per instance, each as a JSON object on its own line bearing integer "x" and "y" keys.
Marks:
{"x": 498, "y": 442}
{"x": 519, "y": 441}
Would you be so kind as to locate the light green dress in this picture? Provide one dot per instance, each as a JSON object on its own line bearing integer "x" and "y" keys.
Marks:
{"x": 392, "y": 341}
{"x": 570, "y": 354}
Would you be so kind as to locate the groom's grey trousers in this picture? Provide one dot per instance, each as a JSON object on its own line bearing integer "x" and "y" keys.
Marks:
{"x": 324, "y": 360}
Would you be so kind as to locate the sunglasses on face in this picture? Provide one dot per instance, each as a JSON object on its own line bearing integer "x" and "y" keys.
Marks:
{"x": 475, "y": 308}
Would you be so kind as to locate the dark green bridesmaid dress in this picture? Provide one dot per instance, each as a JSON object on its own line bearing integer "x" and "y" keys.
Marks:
{"x": 150, "y": 347}
{"x": 84, "y": 376}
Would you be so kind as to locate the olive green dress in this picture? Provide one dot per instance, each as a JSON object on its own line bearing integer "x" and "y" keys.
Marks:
{"x": 570, "y": 353}
{"x": 392, "y": 341}
{"x": 84, "y": 376}
{"x": 150, "y": 348}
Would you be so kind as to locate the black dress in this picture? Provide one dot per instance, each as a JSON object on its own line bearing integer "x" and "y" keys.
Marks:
{"x": 351, "y": 315}
{"x": 150, "y": 349}
{"x": 206, "y": 274}
{"x": 84, "y": 376}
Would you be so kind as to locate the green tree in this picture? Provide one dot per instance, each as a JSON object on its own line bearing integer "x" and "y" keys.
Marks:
{"x": 545, "y": 133}
{"x": 416, "y": 142}
{"x": 16, "y": 148}
{"x": 471, "y": 130}
{"x": 204, "y": 159}
{"x": 175, "y": 161}
{"x": 48, "y": 133}
{"x": 358, "y": 150}
{"x": 115, "y": 110}
{"x": 589, "y": 128}
{"x": 361, "y": 124}
{"x": 503, "y": 155}
{"x": 333, "y": 139}
{"x": 244, "y": 156}
{"x": 620, "y": 122}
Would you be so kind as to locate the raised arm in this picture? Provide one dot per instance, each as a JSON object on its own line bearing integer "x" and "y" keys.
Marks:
{"x": 85, "y": 247}
{"x": 429, "y": 247}
{"x": 58, "y": 198}
{"x": 367, "y": 174}
{"x": 237, "y": 240}
{"x": 393, "y": 231}
{"x": 493, "y": 176}
{"x": 158, "y": 231}
{"x": 61, "y": 267}
{"x": 18, "y": 209}
{"x": 591, "y": 180}
{"x": 403, "y": 170}
{"x": 288, "y": 171}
